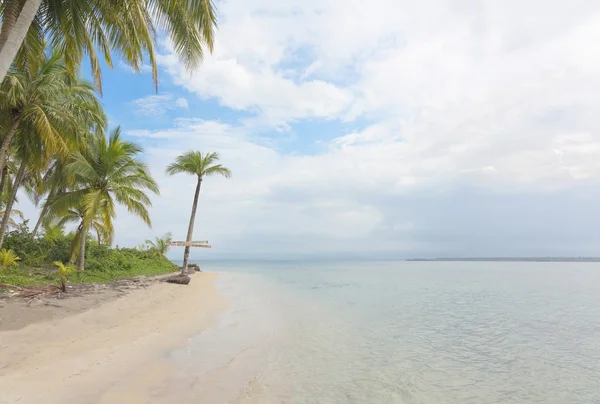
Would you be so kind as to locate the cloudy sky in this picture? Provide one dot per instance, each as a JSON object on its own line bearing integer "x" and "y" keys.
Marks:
{"x": 388, "y": 128}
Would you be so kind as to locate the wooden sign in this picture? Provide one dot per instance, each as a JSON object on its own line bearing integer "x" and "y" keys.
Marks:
{"x": 199, "y": 244}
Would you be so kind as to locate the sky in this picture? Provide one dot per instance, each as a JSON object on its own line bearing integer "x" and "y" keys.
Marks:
{"x": 381, "y": 129}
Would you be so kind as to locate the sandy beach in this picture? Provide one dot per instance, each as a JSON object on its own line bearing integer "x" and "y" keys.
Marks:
{"x": 101, "y": 347}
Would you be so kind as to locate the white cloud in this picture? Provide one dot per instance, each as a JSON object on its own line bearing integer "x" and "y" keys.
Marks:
{"x": 181, "y": 103}
{"x": 158, "y": 104}
{"x": 500, "y": 96}
{"x": 476, "y": 128}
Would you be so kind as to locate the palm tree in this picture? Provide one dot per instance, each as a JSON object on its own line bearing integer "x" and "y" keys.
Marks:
{"x": 160, "y": 245}
{"x": 54, "y": 182}
{"x": 104, "y": 173}
{"x": 200, "y": 165}
{"x": 54, "y": 231}
{"x": 30, "y": 155}
{"x": 79, "y": 27}
{"x": 49, "y": 102}
{"x": 11, "y": 217}
{"x": 76, "y": 214}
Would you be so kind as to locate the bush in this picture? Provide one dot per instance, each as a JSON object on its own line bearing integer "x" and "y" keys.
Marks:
{"x": 37, "y": 251}
{"x": 102, "y": 263}
{"x": 8, "y": 258}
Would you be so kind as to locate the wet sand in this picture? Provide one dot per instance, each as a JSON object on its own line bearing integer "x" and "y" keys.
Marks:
{"x": 106, "y": 349}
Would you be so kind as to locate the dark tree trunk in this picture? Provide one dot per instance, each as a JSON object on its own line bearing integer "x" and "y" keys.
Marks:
{"x": 186, "y": 252}
{"x": 6, "y": 143}
{"x": 81, "y": 258}
{"x": 11, "y": 201}
{"x": 3, "y": 179}
{"x": 39, "y": 221}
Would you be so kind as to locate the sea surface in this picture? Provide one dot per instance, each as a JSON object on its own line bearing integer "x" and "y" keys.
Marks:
{"x": 400, "y": 332}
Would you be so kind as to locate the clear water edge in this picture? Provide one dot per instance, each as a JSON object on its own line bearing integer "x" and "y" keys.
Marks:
{"x": 398, "y": 332}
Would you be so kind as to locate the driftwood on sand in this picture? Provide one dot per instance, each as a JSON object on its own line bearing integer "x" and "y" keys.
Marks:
{"x": 179, "y": 279}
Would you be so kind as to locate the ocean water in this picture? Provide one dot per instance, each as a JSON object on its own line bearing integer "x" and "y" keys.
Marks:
{"x": 398, "y": 332}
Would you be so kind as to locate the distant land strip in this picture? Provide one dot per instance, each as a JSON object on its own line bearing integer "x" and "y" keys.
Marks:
{"x": 514, "y": 259}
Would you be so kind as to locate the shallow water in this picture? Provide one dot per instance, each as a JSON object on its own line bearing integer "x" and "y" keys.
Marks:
{"x": 399, "y": 332}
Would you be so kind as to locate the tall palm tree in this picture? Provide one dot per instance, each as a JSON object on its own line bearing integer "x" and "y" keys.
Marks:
{"x": 160, "y": 245}
{"x": 102, "y": 174}
{"x": 54, "y": 182}
{"x": 30, "y": 155}
{"x": 79, "y": 27}
{"x": 49, "y": 102}
{"x": 200, "y": 165}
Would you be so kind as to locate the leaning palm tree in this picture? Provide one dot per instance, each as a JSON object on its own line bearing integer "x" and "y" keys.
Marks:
{"x": 160, "y": 245}
{"x": 31, "y": 155}
{"x": 104, "y": 173}
{"x": 200, "y": 165}
{"x": 49, "y": 102}
{"x": 81, "y": 27}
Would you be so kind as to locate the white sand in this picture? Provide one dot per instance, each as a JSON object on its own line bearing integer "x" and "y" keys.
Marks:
{"x": 114, "y": 353}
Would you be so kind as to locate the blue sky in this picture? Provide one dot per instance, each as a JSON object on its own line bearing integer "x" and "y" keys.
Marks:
{"x": 395, "y": 130}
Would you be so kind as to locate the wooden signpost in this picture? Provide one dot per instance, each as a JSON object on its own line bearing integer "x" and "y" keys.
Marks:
{"x": 199, "y": 244}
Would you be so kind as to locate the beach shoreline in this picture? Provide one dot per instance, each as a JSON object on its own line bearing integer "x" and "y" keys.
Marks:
{"x": 115, "y": 350}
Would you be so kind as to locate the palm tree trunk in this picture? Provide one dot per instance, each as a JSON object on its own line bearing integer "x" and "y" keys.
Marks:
{"x": 3, "y": 182}
{"x": 6, "y": 141}
{"x": 39, "y": 221}
{"x": 186, "y": 252}
{"x": 15, "y": 35}
{"x": 81, "y": 258}
{"x": 11, "y": 201}
{"x": 12, "y": 8}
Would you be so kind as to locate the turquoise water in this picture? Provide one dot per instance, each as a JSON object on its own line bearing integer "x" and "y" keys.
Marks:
{"x": 400, "y": 332}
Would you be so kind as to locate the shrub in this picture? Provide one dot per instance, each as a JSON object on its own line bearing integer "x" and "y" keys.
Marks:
{"x": 63, "y": 274}
{"x": 8, "y": 258}
{"x": 103, "y": 264}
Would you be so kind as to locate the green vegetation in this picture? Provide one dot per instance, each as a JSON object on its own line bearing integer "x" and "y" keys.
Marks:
{"x": 96, "y": 179}
{"x": 63, "y": 274}
{"x": 8, "y": 258}
{"x": 81, "y": 27}
{"x": 160, "y": 245}
{"x": 200, "y": 165}
{"x": 54, "y": 143}
{"x": 39, "y": 258}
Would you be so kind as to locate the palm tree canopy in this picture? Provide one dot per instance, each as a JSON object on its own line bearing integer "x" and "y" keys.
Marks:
{"x": 50, "y": 102}
{"x": 161, "y": 244}
{"x": 199, "y": 164}
{"x": 103, "y": 174}
{"x": 129, "y": 28}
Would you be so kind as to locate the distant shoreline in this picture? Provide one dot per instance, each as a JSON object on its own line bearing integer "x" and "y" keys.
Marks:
{"x": 512, "y": 259}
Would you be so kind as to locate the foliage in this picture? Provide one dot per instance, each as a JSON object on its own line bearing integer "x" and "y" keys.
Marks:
{"x": 11, "y": 218}
{"x": 196, "y": 163}
{"x": 50, "y": 103}
{"x": 46, "y": 113}
{"x": 8, "y": 258}
{"x": 160, "y": 245}
{"x": 83, "y": 27}
{"x": 106, "y": 173}
{"x": 104, "y": 264}
{"x": 54, "y": 232}
{"x": 36, "y": 252}
{"x": 63, "y": 274}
